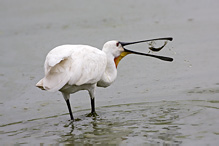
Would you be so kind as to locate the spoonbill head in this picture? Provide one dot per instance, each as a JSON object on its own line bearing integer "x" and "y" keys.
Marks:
{"x": 71, "y": 68}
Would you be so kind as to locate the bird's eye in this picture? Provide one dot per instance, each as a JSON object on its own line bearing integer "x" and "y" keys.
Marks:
{"x": 117, "y": 44}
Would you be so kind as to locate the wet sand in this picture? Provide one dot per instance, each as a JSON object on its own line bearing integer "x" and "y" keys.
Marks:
{"x": 151, "y": 102}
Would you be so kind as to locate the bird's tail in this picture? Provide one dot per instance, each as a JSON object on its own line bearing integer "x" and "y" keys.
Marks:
{"x": 40, "y": 84}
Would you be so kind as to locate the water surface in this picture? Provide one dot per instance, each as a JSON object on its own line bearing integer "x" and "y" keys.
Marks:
{"x": 151, "y": 102}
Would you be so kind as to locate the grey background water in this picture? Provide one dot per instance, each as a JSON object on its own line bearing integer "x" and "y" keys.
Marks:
{"x": 151, "y": 102}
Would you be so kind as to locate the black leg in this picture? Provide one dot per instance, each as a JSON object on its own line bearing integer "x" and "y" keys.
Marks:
{"x": 93, "y": 112}
{"x": 69, "y": 108}
{"x": 92, "y": 105}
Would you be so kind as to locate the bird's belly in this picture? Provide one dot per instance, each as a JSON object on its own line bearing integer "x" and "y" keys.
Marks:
{"x": 103, "y": 84}
{"x": 74, "y": 88}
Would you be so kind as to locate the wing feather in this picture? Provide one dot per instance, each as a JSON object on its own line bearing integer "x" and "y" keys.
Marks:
{"x": 93, "y": 66}
{"x": 73, "y": 65}
{"x": 58, "y": 76}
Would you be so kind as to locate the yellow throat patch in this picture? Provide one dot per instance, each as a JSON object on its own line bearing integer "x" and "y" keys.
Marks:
{"x": 117, "y": 59}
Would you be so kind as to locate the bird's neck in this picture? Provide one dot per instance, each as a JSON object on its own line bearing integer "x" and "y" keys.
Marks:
{"x": 110, "y": 73}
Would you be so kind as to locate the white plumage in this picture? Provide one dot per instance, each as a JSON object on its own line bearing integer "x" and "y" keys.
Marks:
{"x": 70, "y": 68}
{"x": 73, "y": 65}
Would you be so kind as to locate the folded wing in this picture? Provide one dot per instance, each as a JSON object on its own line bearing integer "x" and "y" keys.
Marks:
{"x": 73, "y": 65}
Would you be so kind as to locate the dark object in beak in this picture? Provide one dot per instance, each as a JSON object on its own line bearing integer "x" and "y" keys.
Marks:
{"x": 130, "y": 43}
{"x": 157, "y": 49}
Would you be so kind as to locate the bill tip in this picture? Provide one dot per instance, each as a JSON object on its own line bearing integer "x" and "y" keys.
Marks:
{"x": 171, "y": 39}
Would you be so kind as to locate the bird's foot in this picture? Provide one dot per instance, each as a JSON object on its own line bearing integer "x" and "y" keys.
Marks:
{"x": 92, "y": 114}
{"x": 71, "y": 123}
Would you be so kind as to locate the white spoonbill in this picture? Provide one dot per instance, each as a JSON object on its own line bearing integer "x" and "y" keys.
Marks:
{"x": 70, "y": 68}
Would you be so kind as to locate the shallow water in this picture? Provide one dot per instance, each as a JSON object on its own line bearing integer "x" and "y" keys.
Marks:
{"x": 151, "y": 102}
{"x": 166, "y": 122}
